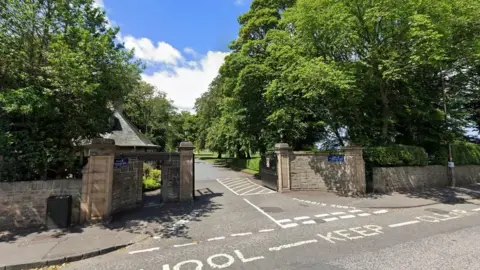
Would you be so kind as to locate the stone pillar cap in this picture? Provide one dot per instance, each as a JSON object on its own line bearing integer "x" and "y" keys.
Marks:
{"x": 282, "y": 146}
{"x": 186, "y": 145}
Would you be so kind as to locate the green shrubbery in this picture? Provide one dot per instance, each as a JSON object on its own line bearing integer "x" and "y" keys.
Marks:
{"x": 463, "y": 154}
{"x": 251, "y": 164}
{"x": 152, "y": 178}
{"x": 395, "y": 155}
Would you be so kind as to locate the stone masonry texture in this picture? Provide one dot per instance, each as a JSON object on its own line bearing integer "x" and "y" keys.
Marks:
{"x": 313, "y": 171}
{"x": 24, "y": 204}
{"x": 386, "y": 180}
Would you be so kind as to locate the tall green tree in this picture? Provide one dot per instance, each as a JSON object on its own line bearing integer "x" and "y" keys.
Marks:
{"x": 60, "y": 68}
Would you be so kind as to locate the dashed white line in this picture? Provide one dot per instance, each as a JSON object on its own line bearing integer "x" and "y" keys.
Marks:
{"x": 364, "y": 214}
{"x": 380, "y": 212}
{"x": 355, "y": 211}
{"x": 266, "y": 230}
{"x": 264, "y": 213}
{"x": 241, "y": 234}
{"x": 309, "y": 222}
{"x": 289, "y": 225}
{"x": 284, "y": 220}
{"x": 301, "y": 218}
{"x": 144, "y": 250}
{"x": 403, "y": 223}
{"x": 338, "y": 213}
{"x": 293, "y": 245}
{"x": 184, "y": 245}
{"x": 477, "y": 209}
{"x": 330, "y": 219}
{"x": 216, "y": 238}
{"x": 347, "y": 216}
{"x": 322, "y": 215}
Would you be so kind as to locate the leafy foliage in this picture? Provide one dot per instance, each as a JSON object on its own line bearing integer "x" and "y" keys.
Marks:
{"x": 395, "y": 155}
{"x": 463, "y": 153}
{"x": 346, "y": 72}
{"x": 60, "y": 69}
{"x": 251, "y": 164}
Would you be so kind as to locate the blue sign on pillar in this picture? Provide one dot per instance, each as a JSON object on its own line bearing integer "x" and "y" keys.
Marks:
{"x": 120, "y": 162}
{"x": 336, "y": 158}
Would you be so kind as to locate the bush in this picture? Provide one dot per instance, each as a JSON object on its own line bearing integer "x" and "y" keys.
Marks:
{"x": 463, "y": 153}
{"x": 395, "y": 155}
{"x": 251, "y": 164}
{"x": 147, "y": 168}
{"x": 150, "y": 183}
{"x": 156, "y": 174}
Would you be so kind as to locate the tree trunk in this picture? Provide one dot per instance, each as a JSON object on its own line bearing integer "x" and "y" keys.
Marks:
{"x": 219, "y": 155}
{"x": 248, "y": 155}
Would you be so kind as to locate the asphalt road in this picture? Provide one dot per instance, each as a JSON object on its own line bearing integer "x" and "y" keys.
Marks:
{"x": 232, "y": 228}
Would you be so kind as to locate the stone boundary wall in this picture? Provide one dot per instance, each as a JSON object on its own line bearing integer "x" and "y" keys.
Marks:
{"x": 391, "y": 179}
{"x": 24, "y": 204}
{"x": 313, "y": 171}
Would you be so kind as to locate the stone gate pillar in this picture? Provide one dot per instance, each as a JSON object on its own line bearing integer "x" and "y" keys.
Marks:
{"x": 358, "y": 185}
{"x": 186, "y": 171}
{"x": 283, "y": 166}
{"x": 96, "y": 203}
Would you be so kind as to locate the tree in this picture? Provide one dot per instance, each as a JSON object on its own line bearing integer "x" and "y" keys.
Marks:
{"x": 60, "y": 67}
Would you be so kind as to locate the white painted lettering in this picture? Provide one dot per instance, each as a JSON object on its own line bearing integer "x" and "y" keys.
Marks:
{"x": 229, "y": 262}
{"x": 245, "y": 260}
{"x": 347, "y": 235}
{"x": 428, "y": 219}
{"x": 361, "y": 231}
{"x": 374, "y": 228}
{"x": 329, "y": 238}
{"x": 446, "y": 217}
{"x": 197, "y": 262}
{"x": 166, "y": 267}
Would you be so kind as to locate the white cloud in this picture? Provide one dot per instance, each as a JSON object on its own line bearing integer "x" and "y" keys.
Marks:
{"x": 146, "y": 50}
{"x": 190, "y": 51}
{"x": 187, "y": 83}
{"x": 98, "y": 4}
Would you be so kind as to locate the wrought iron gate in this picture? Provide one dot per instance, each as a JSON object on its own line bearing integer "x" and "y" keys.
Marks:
{"x": 268, "y": 170}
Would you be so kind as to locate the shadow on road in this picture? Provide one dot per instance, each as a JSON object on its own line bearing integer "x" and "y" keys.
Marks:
{"x": 169, "y": 219}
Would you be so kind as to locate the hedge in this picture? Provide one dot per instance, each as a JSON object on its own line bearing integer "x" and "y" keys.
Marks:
{"x": 395, "y": 155}
{"x": 251, "y": 164}
{"x": 463, "y": 153}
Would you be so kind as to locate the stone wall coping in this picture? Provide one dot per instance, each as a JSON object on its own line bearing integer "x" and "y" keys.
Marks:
{"x": 48, "y": 180}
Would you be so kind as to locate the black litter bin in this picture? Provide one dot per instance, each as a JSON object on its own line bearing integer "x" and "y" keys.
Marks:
{"x": 59, "y": 211}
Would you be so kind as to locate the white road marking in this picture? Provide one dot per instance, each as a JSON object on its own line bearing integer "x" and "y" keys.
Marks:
{"x": 263, "y": 212}
{"x": 403, "y": 223}
{"x": 380, "y": 212}
{"x": 477, "y": 209}
{"x": 322, "y": 215}
{"x": 227, "y": 187}
{"x": 184, "y": 245}
{"x": 229, "y": 181}
{"x": 293, "y": 245}
{"x": 355, "y": 211}
{"x": 284, "y": 220}
{"x": 347, "y": 216}
{"x": 301, "y": 218}
{"x": 309, "y": 222}
{"x": 249, "y": 186}
{"x": 241, "y": 234}
{"x": 157, "y": 237}
{"x": 245, "y": 260}
{"x": 338, "y": 213}
{"x": 241, "y": 185}
{"x": 289, "y": 225}
{"x": 230, "y": 261}
{"x": 364, "y": 214}
{"x": 330, "y": 219}
{"x": 216, "y": 238}
{"x": 144, "y": 250}
{"x": 250, "y": 190}
{"x": 266, "y": 230}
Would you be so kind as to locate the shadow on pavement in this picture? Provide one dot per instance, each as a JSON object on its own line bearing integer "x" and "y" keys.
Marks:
{"x": 446, "y": 195}
{"x": 169, "y": 219}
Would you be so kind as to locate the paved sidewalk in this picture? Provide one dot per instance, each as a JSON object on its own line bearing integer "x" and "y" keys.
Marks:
{"x": 397, "y": 200}
{"x": 29, "y": 249}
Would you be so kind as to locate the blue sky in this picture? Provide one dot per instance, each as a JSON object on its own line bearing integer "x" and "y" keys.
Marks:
{"x": 183, "y": 42}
